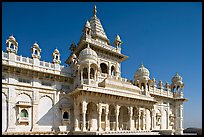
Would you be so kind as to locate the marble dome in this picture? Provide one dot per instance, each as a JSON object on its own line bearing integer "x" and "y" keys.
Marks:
{"x": 142, "y": 72}
{"x": 88, "y": 53}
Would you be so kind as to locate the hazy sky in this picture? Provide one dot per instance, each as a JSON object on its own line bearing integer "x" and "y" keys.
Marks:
{"x": 165, "y": 37}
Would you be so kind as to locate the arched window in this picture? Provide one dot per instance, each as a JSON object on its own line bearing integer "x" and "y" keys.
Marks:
{"x": 112, "y": 71}
{"x": 24, "y": 113}
{"x": 36, "y": 52}
{"x": 104, "y": 68}
{"x": 92, "y": 73}
{"x": 56, "y": 57}
{"x": 12, "y": 46}
{"x": 66, "y": 115}
{"x": 85, "y": 73}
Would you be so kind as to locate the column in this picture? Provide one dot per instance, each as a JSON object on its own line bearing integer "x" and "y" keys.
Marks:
{"x": 109, "y": 68}
{"x": 82, "y": 77}
{"x": 152, "y": 120}
{"x": 35, "y": 111}
{"x": 99, "y": 117}
{"x": 130, "y": 115}
{"x": 179, "y": 119}
{"x": 76, "y": 116}
{"x": 89, "y": 73}
{"x": 106, "y": 119}
{"x": 11, "y": 109}
{"x": 117, "y": 115}
{"x": 139, "y": 127}
{"x": 84, "y": 108}
{"x": 143, "y": 118}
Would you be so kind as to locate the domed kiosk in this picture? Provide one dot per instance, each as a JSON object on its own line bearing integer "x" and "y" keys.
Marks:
{"x": 141, "y": 78}
{"x": 88, "y": 66}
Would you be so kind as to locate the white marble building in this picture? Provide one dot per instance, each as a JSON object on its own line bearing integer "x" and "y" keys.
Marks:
{"x": 89, "y": 94}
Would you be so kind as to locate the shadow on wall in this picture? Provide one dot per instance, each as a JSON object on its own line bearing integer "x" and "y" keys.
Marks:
{"x": 47, "y": 119}
{"x": 51, "y": 115}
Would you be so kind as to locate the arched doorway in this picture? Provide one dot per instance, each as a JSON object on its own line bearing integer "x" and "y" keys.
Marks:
{"x": 135, "y": 118}
{"x": 92, "y": 116}
{"x": 112, "y": 118}
{"x": 123, "y": 118}
{"x": 164, "y": 120}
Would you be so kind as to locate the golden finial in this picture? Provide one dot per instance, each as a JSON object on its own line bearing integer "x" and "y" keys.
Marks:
{"x": 95, "y": 11}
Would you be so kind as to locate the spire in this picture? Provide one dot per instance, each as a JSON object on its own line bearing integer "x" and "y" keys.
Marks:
{"x": 94, "y": 11}
{"x": 96, "y": 27}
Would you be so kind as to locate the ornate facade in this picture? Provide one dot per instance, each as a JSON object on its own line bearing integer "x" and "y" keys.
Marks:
{"x": 87, "y": 96}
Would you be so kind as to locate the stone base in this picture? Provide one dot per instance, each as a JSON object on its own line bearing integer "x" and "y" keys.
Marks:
{"x": 179, "y": 132}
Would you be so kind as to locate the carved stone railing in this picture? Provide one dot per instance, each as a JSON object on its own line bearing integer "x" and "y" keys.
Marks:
{"x": 29, "y": 62}
{"x": 106, "y": 46}
{"x": 161, "y": 92}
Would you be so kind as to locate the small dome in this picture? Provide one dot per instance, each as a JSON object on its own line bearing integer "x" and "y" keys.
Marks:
{"x": 56, "y": 51}
{"x": 177, "y": 78}
{"x": 117, "y": 38}
{"x": 12, "y": 38}
{"x": 142, "y": 72}
{"x": 88, "y": 53}
{"x": 35, "y": 45}
{"x": 87, "y": 25}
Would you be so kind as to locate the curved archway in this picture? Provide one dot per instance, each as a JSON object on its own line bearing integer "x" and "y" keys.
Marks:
{"x": 85, "y": 73}
{"x": 158, "y": 119}
{"x": 92, "y": 73}
{"x": 123, "y": 118}
{"x": 135, "y": 118}
{"x": 45, "y": 114}
{"x": 92, "y": 116}
{"x": 112, "y": 117}
{"x": 112, "y": 70}
{"x": 24, "y": 112}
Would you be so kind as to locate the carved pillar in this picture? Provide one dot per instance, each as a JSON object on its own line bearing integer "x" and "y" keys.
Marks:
{"x": 35, "y": 111}
{"x": 99, "y": 117}
{"x": 154, "y": 119}
{"x": 179, "y": 118}
{"x": 106, "y": 119}
{"x": 89, "y": 73}
{"x": 76, "y": 116}
{"x": 117, "y": 115}
{"x": 84, "y": 108}
{"x": 139, "y": 127}
{"x": 130, "y": 115}
{"x": 143, "y": 118}
{"x": 109, "y": 68}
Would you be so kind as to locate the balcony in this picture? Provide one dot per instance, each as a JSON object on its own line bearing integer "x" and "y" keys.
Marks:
{"x": 23, "y": 120}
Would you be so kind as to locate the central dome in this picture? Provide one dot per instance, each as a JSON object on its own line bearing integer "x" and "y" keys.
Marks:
{"x": 142, "y": 72}
{"x": 88, "y": 54}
